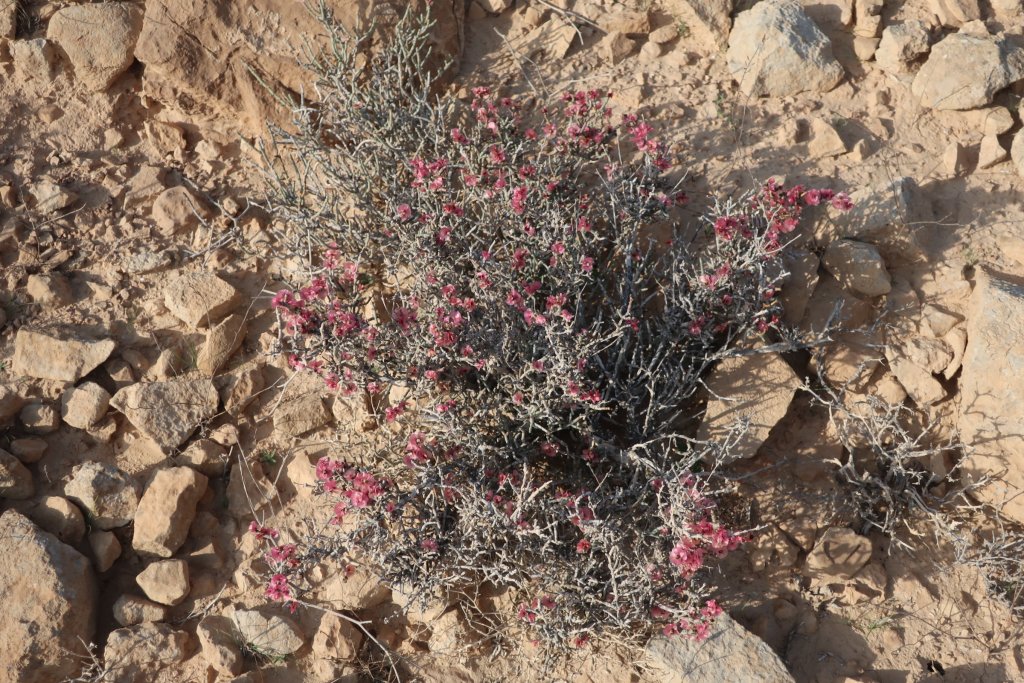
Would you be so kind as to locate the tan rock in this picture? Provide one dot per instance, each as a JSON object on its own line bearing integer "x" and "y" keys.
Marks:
{"x": 919, "y": 382}
{"x": 15, "y": 479}
{"x": 50, "y": 290}
{"x": 449, "y": 634}
{"x": 901, "y": 45}
{"x": 49, "y": 609}
{"x": 142, "y": 651}
{"x": 60, "y": 517}
{"x": 955, "y": 13}
{"x": 708, "y": 22}
{"x": 238, "y": 389}
{"x": 1017, "y": 151}
{"x": 301, "y": 414}
{"x": 219, "y": 642}
{"x": 965, "y": 72}
{"x": 616, "y": 47}
{"x": 29, "y": 449}
{"x": 47, "y": 196}
{"x": 168, "y": 412}
{"x": 107, "y": 495}
{"x": 626, "y": 22}
{"x": 8, "y": 19}
{"x": 221, "y": 343}
{"x": 730, "y": 653}
{"x": 35, "y": 59}
{"x": 336, "y": 639}
{"x": 249, "y": 490}
{"x": 664, "y": 34}
{"x": 84, "y": 405}
{"x": 838, "y": 555}
{"x": 269, "y": 633}
{"x": 357, "y": 590}
{"x": 166, "y": 511}
{"x": 205, "y": 455}
{"x": 954, "y": 159}
{"x": 991, "y": 406}
{"x": 98, "y": 56}
{"x": 858, "y": 266}
{"x": 40, "y": 418}
{"x": 130, "y": 610}
{"x": 755, "y": 392}
{"x": 61, "y": 356}
{"x": 177, "y": 210}
{"x": 165, "y": 581}
{"x": 956, "y": 340}
{"x": 825, "y": 141}
{"x": 200, "y": 299}
{"x": 105, "y": 550}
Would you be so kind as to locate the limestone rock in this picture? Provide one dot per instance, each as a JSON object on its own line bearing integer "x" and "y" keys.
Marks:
{"x": 50, "y": 290}
{"x": 99, "y": 39}
{"x": 105, "y": 550}
{"x": 955, "y": 13}
{"x": 918, "y": 381}
{"x": 61, "y": 356}
{"x": 84, "y": 405}
{"x": 60, "y": 517}
{"x": 882, "y": 215}
{"x": 798, "y": 287}
{"x": 1017, "y": 151}
{"x": 838, "y": 555}
{"x": 28, "y": 449}
{"x": 140, "y": 652}
{"x": 220, "y": 645}
{"x": 991, "y": 152}
{"x": 356, "y": 591}
{"x": 49, "y": 604}
{"x": 8, "y": 19}
{"x": 859, "y": 266}
{"x": 15, "y": 479}
{"x": 825, "y": 141}
{"x": 200, "y": 298}
{"x": 991, "y": 404}
{"x": 108, "y": 495}
{"x": 494, "y": 6}
{"x": 49, "y": 197}
{"x": 221, "y": 343}
{"x": 336, "y": 639}
{"x": 130, "y": 610}
{"x": 238, "y": 389}
{"x": 965, "y": 71}
{"x": 165, "y": 581}
{"x": 40, "y": 418}
{"x": 617, "y": 46}
{"x": 901, "y": 44}
{"x": 166, "y": 510}
{"x": 775, "y": 49}
{"x": 301, "y": 414}
{"x": 730, "y": 653}
{"x": 248, "y": 490}
{"x": 270, "y": 633}
{"x": 205, "y": 455}
{"x": 11, "y": 403}
{"x": 168, "y": 412}
{"x": 177, "y": 210}
{"x": 709, "y": 21}
{"x": 756, "y": 391}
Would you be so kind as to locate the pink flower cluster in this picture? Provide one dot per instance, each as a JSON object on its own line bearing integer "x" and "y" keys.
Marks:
{"x": 359, "y": 488}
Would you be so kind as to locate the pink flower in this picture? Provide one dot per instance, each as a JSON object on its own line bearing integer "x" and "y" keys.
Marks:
{"x": 429, "y": 544}
{"x": 404, "y": 212}
{"x": 842, "y": 201}
{"x": 458, "y": 137}
{"x": 587, "y": 264}
{"x": 558, "y": 248}
{"x": 583, "y": 547}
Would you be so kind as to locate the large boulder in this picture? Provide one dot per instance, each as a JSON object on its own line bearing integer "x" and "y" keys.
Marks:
{"x": 208, "y": 57}
{"x": 99, "y": 39}
{"x": 62, "y": 355}
{"x": 991, "y": 397}
{"x": 729, "y": 654}
{"x": 168, "y": 412}
{"x": 49, "y": 604}
{"x": 965, "y": 71}
{"x": 776, "y": 49}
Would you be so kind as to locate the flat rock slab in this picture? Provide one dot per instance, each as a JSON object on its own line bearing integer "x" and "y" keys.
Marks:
{"x": 166, "y": 511}
{"x": 750, "y": 395}
{"x": 991, "y": 393}
{"x": 267, "y": 632}
{"x": 729, "y": 655}
{"x": 200, "y": 298}
{"x": 64, "y": 356}
{"x": 49, "y": 603}
{"x": 168, "y": 412}
{"x": 965, "y": 71}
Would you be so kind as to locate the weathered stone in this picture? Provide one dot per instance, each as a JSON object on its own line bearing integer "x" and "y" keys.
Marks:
{"x": 270, "y": 633}
{"x": 729, "y": 654}
{"x": 34, "y": 60}
{"x": 40, "y": 418}
{"x": 775, "y": 49}
{"x": 882, "y": 215}
{"x": 60, "y": 517}
{"x": 8, "y": 19}
{"x": 756, "y": 391}
{"x": 130, "y": 610}
{"x": 858, "y": 266}
{"x": 991, "y": 403}
{"x": 29, "y": 449}
{"x": 60, "y": 356}
{"x": 166, "y": 510}
{"x": 84, "y": 405}
{"x": 238, "y": 389}
{"x": 838, "y": 555}
{"x": 177, "y": 210}
{"x": 354, "y": 591}
{"x": 219, "y": 643}
{"x": 105, "y": 549}
{"x": 168, "y": 412}
{"x": 248, "y": 490}
{"x": 965, "y": 71}
{"x": 336, "y": 639}
{"x": 49, "y": 604}
{"x": 140, "y": 652}
{"x": 11, "y": 403}
{"x": 955, "y": 13}
{"x": 15, "y": 479}
{"x": 991, "y": 152}
{"x": 825, "y": 140}
{"x": 50, "y": 290}
{"x": 708, "y": 21}
{"x": 301, "y": 414}
{"x": 901, "y": 44}
{"x": 221, "y": 343}
{"x": 98, "y": 39}
{"x": 617, "y": 46}
{"x": 922, "y": 386}
{"x": 108, "y": 495}
{"x": 205, "y": 455}
{"x": 165, "y": 581}
{"x": 200, "y": 298}
{"x": 1017, "y": 151}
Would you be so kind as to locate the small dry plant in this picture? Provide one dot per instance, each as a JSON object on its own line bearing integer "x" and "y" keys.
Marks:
{"x": 501, "y": 286}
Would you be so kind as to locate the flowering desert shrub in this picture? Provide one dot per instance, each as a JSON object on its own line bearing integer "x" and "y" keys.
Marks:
{"x": 505, "y": 287}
